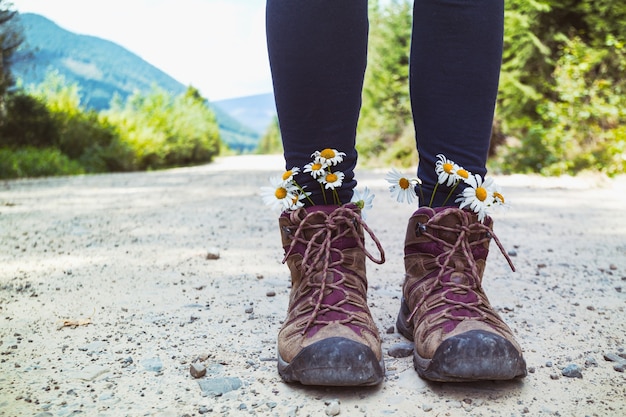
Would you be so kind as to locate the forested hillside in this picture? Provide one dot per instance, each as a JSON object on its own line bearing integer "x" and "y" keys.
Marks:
{"x": 103, "y": 70}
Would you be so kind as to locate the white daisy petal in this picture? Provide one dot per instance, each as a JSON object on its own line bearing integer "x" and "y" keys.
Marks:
{"x": 316, "y": 169}
{"x": 364, "y": 200}
{"x": 401, "y": 187}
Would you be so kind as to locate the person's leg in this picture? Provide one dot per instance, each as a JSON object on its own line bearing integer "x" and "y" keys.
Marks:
{"x": 456, "y": 52}
{"x": 317, "y": 51}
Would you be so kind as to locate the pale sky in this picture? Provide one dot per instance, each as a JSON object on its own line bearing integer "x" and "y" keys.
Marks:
{"x": 218, "y": 46}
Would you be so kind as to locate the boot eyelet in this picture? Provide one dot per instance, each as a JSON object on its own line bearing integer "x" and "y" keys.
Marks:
{"x": 287, "y": 230}
{"x": 419, "y": 229}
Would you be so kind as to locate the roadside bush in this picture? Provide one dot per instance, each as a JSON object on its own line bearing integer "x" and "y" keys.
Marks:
{"x": 584, "y": 127}
{"x": 28, "y": 122}
{"x": 164, "y": 131}
{"x": 36, "y": 162}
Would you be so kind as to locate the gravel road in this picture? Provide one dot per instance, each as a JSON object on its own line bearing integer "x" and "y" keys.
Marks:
{"x": 115, "y": 288}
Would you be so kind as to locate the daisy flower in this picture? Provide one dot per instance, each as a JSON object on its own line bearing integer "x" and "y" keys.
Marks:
{"x": 363, "y": 200}
{"x": 401, "y": 187}
{"x": 445, "y": 170}
{"x": 316, "y": 169}
{"x": 328, "y": 156}
{"x": 298, "y": 200}
{"x": 332, "y": 180}
{"x": 498, "y": 198}
{"x": 279, "y": 195}
{"x": 289, "y": 174}
{"x": 461, "y": 174}
{"x": 478, "y": 196}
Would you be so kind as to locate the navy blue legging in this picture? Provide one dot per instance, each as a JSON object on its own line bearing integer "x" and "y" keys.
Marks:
{"x": 318, "y": 54}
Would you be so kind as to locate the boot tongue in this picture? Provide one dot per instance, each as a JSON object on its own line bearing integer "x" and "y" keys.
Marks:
{"x": 451, "y": 219}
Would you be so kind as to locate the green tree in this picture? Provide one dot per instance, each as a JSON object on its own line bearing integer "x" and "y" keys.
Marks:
{"x": 386, "y": 110}
{"x": 78, "y": 133}
{"x": 271, "y": 141}
{"x": 11, "y": 38}
{"x": 165, "y": 131}
{"x": 28, "y": 123}
{"x": 562, "y": 86}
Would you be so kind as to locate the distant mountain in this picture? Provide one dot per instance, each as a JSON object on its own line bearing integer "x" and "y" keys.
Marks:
{"x": 258, "y": 111}
{"x": 102, "y": 68}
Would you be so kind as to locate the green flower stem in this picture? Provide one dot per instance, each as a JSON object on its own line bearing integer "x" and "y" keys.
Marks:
{"x": 323, "y": 193}
{"x": 450, "y": 193}
{"x": 432, "y": 196}
{"x": 304, "y": 193}
{"x": 336, "y": 197}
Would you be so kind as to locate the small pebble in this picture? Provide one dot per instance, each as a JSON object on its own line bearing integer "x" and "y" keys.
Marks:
{"x": 612, "y": 357}
{"x": 213, "y": 254}
{"x": 333, "y": 408}
{"x": 591, "y": 361}
{"x": 401, "y": 350}
{"x": 549, "y": 364}
{"x": 572, "y": 371}
{"x": 620, "y": 367}
{"x": 270, "y": 293}
{"x": 554, "y": 376}
{"x": 427, "y": 407}
{"x": 197, "y": 370}
{"x": 152, "y": 364}
{"x": 390, "y": 330}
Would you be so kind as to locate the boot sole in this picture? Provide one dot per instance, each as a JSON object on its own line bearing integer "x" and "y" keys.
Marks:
{"x": 335, "y": 361}
{"x": 476, "y": 355}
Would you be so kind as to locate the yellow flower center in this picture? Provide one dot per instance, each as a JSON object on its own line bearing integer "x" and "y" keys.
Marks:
{"x": 481, "y": 193}
{"x": 498, "y": 196}
{"x": 404, "y": 183}
{"x": 280, "y": 193}
{"x": 448, "y": 167}
{"x": 463, "y": 173}
{"x": 287, "y": 174}
{"x": 316, "y": 167}
{"x": 331, "y": 178}
{"x": 327, "y": 153}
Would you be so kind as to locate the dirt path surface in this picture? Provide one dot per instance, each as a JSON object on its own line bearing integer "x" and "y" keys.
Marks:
{"x": 113, "y": 286}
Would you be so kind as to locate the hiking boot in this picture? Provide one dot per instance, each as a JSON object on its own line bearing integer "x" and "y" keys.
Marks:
{"x": 329, "y": 336}
{"x": 458, "y": 336}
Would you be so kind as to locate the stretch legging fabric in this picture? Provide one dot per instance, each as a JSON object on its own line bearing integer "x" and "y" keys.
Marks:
{"x": 318, "y": 54}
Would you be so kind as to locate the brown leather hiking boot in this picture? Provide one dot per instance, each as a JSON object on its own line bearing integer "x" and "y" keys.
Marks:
{"x": 329, "y": 337}
{"x": 457, "y": 334}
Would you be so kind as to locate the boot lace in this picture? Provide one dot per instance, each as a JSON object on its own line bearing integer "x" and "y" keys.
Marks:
{"x": 318, "y": 263}
{"x": 447, "y": 263}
